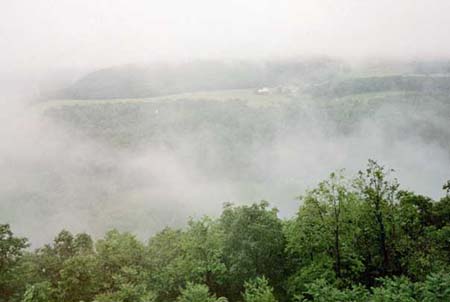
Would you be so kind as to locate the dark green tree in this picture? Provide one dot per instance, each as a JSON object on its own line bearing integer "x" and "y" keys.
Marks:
{"x": 203, "y": 255}
{"x": 164, "y": 259}
{"x": 378, "y": 190}
{"x": 11, "y": 251}
{"x": 79, "y": 279}
{"x": 120, "y": 256}
{"x": 322, "y": 236}
{"x": 254, "y": 245}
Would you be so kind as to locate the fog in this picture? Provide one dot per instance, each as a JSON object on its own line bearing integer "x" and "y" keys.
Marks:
{"x": 54, "y": 176}
{"x": 42, "y": 35}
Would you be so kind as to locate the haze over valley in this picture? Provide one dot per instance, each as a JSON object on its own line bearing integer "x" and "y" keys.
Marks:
{"x": 141, "y": 147}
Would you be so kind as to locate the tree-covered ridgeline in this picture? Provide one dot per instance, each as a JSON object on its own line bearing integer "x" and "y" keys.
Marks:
{"x": 361, "y": 239}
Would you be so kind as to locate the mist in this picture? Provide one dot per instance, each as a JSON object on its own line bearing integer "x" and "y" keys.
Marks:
{"x": 89, "y": 176}
{"x": 46, "y": 35}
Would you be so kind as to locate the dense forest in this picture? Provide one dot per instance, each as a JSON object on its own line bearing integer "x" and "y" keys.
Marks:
{"x": 352, "y": 239}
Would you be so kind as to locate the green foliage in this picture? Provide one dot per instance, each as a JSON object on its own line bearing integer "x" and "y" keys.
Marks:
{"x": 198, "y": 293}
{"x": 83, "y": 244}
{"x": 378, "y": 192}
{"x": 164, "y": 259}
{"x": 393, "y": 290}
{"x": 117, "y": 255}
{"x": 366, "y": 242}
{"x": 446, "y": 187}
{"x": 414, "y": 218}
{"x": 436, "y": 288}
{"x": 127, "y": 293}
{"x": 203, "y": 246}
{"x": 441, "y": 211}
{"x": 258, "y": 290}
{"x": 319, "y": 269}
{"x": 11, "y": 250}
{"x": 63, "y": 245}
{"x": 39, "y": 292}
{"x": 254, "y": 245}
{"x": 79, "y": 280}
{"x": 321, "y": 291}
{"x": 323, "y": 233}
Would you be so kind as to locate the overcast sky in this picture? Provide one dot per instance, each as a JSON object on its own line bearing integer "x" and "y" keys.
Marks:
{"x": 42, "y": 34}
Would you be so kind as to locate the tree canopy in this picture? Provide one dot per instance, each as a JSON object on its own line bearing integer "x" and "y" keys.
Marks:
{"x": 352, "y": 239}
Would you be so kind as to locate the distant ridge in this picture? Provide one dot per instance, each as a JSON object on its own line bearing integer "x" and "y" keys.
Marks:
{"x": 132, "y": 81}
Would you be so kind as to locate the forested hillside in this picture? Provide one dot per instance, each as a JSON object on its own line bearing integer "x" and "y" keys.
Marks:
{"x": 358, "y": 239}
{"x": 137, "y": 81}
{"x": 139, "y": 164}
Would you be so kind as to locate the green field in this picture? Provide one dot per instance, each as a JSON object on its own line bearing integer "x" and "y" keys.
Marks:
{"x": 247, "y": 96}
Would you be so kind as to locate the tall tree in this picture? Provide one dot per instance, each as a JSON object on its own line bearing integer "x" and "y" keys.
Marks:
{"x": 203, "y": 254}
{"x": 164, "y": 255}
{"x": 378, "y": 190}
{"x": 322, "y": 233}
{"x": 254, "y": 245}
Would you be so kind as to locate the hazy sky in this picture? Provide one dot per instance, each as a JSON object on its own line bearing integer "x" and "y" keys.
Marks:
{"x": 42, "y": 34}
